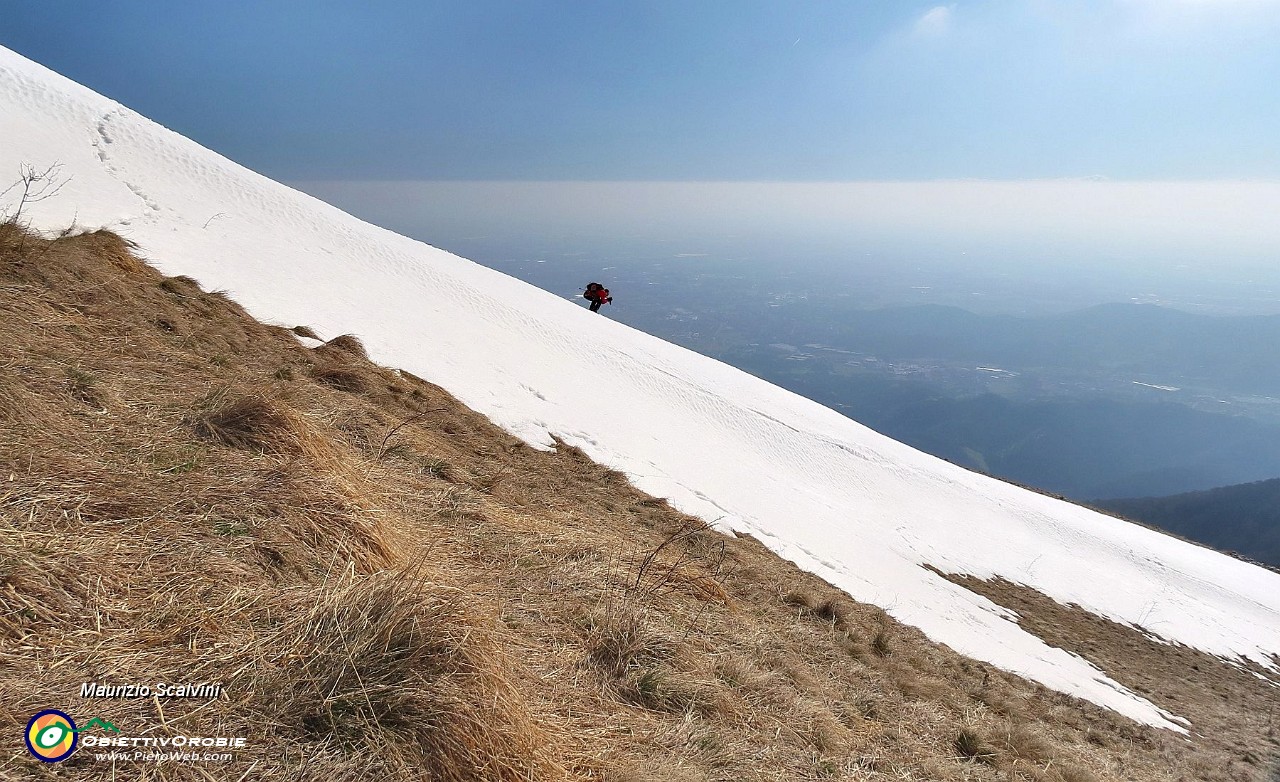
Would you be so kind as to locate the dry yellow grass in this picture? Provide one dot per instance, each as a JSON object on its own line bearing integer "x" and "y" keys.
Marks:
{"x": 388, "y": 587}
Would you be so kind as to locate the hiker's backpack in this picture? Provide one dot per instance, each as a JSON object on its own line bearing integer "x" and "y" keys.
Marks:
{"x": 590, "y": 293}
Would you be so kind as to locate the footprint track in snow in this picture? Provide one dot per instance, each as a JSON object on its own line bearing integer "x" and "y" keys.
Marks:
{"x": 100, "y": 145}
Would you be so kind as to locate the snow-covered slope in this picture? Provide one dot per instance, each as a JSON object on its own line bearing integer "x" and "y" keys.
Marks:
{"x": 860, "y": 510}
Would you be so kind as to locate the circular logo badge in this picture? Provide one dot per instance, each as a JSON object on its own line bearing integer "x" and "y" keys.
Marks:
{"x": 51, "y": 736}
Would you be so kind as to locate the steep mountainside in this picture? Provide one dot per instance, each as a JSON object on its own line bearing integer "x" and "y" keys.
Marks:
{"x": 386, "y": 586}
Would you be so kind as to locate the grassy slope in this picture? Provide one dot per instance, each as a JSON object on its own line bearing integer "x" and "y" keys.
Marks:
{"x": 389, "y": 587}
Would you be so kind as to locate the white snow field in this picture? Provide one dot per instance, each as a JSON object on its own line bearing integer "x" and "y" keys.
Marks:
{"x": 860, "y": 510}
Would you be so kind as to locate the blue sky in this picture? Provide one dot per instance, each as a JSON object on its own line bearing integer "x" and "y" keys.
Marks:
{"x": 1128, "y": 144}
{"x": 709, "y": 90}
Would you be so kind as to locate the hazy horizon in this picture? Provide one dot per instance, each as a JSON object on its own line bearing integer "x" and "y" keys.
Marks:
{"x": 1003, "y": 246}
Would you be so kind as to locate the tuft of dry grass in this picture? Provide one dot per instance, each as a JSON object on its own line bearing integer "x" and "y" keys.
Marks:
{"x": 881, "y": 645}
{"x": 12, "y": 237}
{"x": 1026, "y": 743}
{"x": 383, "y": 664}
{"x": 345, "y": 346}
{"x": 181, "y": 286}
{"x": 970, "y": 745}
{"x": 828, "y": 607}
{"x": 245, "y": 420}
{"x": 83, "y": 386}
{"x": 1068, "y": 773}
{"x": 620, "y": 637}
{"x": 341, "y": 377}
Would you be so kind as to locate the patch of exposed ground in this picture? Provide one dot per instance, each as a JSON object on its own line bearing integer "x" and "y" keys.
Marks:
{"x": 388, "y": 587}
{"x": 1233, "y": 706}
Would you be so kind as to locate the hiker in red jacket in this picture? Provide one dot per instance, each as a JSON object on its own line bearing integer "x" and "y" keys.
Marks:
{"x": 597, "y": 294}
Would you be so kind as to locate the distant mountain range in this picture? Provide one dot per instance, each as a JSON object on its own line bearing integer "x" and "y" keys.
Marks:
{"x": 1244, "y": 519}
{"x": 1085, "y": 448}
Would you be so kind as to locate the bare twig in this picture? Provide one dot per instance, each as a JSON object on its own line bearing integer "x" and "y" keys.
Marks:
{"x": 35, "y": 186}
{"x": 647, "y": 563}
{"x": 382, "y": 447}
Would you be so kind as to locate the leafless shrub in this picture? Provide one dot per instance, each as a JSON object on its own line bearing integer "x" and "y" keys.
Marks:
{"x": 654, "y": 574}
{"x": 32, "y": 186}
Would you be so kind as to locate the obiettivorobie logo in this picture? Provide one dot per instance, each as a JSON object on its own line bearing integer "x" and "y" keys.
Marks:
{"x": 52, "y": 735}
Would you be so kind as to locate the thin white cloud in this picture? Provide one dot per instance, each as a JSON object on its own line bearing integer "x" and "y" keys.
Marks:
{"x": 1221, "y": 24}
{"x": 935, "y": 22}
{"x": 1223, "y": 4}
{"x": 1203, "y": 9}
